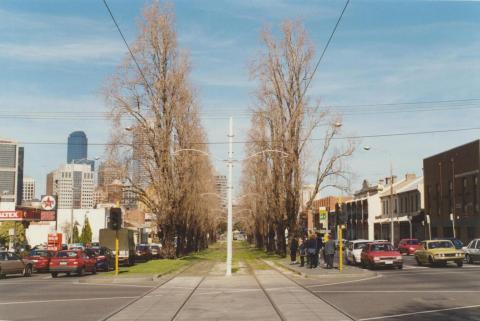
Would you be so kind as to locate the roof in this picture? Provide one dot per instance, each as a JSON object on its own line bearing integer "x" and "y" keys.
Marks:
{"x": 477, "y": 141}
{"x": 411, "y": 186}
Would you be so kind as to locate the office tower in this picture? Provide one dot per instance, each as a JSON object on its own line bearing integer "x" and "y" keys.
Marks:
{"x": 74, "y": 185}
{"x": 28, "y": 189}
{"x": 77, "y": 146}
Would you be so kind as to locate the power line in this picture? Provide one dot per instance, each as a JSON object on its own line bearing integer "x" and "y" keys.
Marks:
{"x": 415, "y": 133}
{"x": 126, "y": 44}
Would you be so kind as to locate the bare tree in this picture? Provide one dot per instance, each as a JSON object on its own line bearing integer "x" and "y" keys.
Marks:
{"x": 287, "y": 120}
{"x": 152, "y": 97}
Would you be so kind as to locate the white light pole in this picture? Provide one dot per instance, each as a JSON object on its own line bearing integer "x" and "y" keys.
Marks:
{"x": 229, "y": 196}
{"x": 391, "y": 207}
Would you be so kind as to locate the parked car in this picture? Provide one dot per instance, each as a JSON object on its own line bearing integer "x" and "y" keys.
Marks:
{"x": 105, "y": 257}
{"x": 72, "y": 261}
{"x": 11, "y": 263}
{"x": 156, "y": 250}
{"x": 381, "y": 254}
{"x": 41, "y": 259}
{"x": 143, "y": 253}
{"x": 408, "y": 246}
{"x": 439, "y": 252}
{"x": 353, "y": 251}
{"x": 472, "y": 251}
{"x": 76, "y": 246}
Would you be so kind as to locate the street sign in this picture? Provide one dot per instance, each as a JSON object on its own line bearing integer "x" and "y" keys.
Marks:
{"x": 48, "y": 203}
{"x": 323, "y": 215}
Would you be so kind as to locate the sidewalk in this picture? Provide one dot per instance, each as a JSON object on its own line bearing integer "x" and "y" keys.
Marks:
{"x": 322, "y": 271}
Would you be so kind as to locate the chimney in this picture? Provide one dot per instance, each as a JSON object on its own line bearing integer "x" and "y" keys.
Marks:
{"x": 410, "y": 176}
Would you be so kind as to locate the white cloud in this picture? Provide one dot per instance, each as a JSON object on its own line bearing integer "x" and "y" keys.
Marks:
{"x": 91, "y": 50}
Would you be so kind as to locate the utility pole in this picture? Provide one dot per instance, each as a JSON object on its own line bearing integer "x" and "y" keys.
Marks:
{"x": 391, "y": 204}
{"x": 230, "y": 205}
{"x": 453, "y": 196}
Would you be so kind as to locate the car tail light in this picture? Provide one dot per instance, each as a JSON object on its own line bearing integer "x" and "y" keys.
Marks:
{"x": 75, "y": 262}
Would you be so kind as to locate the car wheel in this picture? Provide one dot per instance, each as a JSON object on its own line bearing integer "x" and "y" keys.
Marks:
{"x": 94, "y": 270}
{"x": 371, "y": 266}
{"x": 430, "y": 260}
{"x": 469, "y": 259}
{"x": 68, "y": 273}
{"x": 54, "y": 274}
{"x": 419, "y": 263}
{"x": 400, "y": 267}
{"x": 81, "y": 271}
{"x": 459, "y": 263}
{"x": 107, "y": 267}
{"x": 2, "y": 275}
{"x": 27, "y": 272}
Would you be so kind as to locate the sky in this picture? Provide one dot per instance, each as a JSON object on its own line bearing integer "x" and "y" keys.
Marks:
{"x": 386, "y": 61}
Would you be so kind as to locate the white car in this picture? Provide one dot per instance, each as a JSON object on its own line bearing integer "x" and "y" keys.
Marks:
{"x": 353, "y": 251}
{"x": 472, "y": 251}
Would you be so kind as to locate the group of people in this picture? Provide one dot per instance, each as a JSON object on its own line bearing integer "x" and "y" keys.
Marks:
{"x": 309, "y": 248}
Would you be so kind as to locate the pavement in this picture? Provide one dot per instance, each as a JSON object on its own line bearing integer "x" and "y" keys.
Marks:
{"x": 203, "y": 293}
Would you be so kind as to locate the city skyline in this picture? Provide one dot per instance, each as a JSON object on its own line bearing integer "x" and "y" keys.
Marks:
{"x": 416, "y": 48}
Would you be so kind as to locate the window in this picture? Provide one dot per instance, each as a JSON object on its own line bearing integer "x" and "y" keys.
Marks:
{"x": 478, "y": 245}
{"x": 475, "y": 196}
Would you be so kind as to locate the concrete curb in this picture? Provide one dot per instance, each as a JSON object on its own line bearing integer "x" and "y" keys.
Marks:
{"x": 321, "y": 276}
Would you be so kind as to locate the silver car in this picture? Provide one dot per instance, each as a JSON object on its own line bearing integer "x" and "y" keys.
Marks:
{"x": 472, "y": 251}
{"x": 11, "y": 263}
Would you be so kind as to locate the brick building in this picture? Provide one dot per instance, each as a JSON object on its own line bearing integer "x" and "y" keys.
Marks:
{"x": 451, "y": 191}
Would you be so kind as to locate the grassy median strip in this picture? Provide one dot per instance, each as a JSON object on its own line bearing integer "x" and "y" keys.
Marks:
{"x": 242, "y": 252}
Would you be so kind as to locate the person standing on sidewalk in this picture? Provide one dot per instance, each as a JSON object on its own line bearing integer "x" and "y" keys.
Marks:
{"x": 318, "y": 247}
{"x": 311, "y": 250}
{"x": 303, "y": 251}
{"x": 293, "y": 250}
{"x": 330, "y": 252}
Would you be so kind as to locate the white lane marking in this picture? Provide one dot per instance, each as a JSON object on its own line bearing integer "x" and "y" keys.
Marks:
{"x": 116, "y": 284}
{"x": 345, "y": 282}
{"x": 397, "y": 291}
{"x": 420, "y": 312}
{"x": 68, "y": 300}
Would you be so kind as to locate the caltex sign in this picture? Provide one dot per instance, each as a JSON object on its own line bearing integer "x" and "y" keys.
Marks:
{"x": 48, "y": 203}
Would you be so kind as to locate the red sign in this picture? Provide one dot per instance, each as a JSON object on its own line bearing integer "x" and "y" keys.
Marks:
{"x": 54, "y": 242}
{"x": 11, "y": 215}
{"x": 47, "y": 216}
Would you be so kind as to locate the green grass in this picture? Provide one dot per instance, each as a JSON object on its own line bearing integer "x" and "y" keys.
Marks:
{"x": 242, "y": 252}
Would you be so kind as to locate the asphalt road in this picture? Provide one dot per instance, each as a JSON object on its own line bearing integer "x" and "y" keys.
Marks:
{"x": 414, "y": 293}
{"x": 42, "y": 298}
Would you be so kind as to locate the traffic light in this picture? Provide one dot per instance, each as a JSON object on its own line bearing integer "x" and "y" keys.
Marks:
{"x": 115, "y": 222}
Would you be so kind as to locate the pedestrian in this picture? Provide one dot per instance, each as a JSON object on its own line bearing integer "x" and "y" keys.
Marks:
{"x": 329, "y": 252}
{"x": 318, "y": 247}
{"x": 293, "y": 250}
{"x": 302, "y": 251}
{"x": 311, "y": 250}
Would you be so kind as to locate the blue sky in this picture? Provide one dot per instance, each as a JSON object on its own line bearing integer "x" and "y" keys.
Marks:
{"x": 56, "y": 55}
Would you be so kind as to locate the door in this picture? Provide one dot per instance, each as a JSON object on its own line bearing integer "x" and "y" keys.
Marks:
{"x": 476, "y": 251}
{"x": 15, "y": 263}
{"x": 5, "y": 264}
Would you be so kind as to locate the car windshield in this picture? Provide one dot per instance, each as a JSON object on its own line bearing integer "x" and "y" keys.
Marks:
{"x": 381, "y": 247}
{"x": 142, "y": 247}
{"x": 38, "y": 253}
{"x": 67, "y": 254}
{"x": 440, "y": 245}
{"x": 413, "y": 242}
{"x": 359, "y": 245}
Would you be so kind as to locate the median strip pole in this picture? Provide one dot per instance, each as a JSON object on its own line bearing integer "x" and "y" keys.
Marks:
{"x": 340, "y": 248}
{"x": 116, "y": 253}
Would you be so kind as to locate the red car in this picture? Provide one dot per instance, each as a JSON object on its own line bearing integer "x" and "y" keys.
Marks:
{"x": 408, "y": 246}
{"x": 383, "y": 254}
{"x": 41, "y": 259}
{"x": 72, "y": 261}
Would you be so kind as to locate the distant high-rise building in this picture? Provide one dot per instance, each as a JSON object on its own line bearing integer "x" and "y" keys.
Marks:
{"x": 9, "y": 153}
{"x": 107, "y": 173}
{"x": 89, "y": 162}
{"x": 28, "y": 189}
{"x": 74, "y": 186}
{"x": 77, "y": 146}
{"x": 49, "y": 188}
{"x": 20, "y": 161}
{"x": 221, "y": 188}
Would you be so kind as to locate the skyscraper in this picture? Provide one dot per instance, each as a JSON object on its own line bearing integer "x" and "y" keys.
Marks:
{"x": 21, "y": 157}
{"x": 73, "y": 183}
{"x": 77, "y": 146}
{"x": 8, "y": 174}
{"x": 28, "y": 189}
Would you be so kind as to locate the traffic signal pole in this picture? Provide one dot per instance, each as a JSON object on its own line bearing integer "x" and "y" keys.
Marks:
{"x": 116, "y": 252}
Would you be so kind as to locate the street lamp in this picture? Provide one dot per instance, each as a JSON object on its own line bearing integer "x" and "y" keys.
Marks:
{"x": 368, "y": 148}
